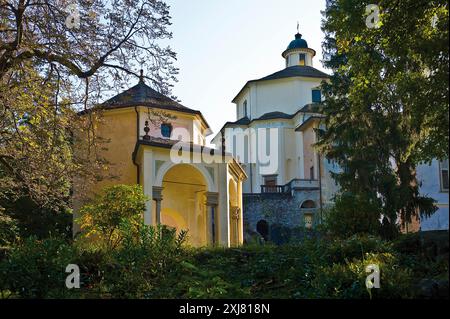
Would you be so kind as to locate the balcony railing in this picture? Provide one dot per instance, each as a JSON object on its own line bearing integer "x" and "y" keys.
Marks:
{"x": 293, "y": 184}
{"x": 275, "y": 189}
{"x": 304, "y": 183}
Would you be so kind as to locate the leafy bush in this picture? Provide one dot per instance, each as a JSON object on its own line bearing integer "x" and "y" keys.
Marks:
{"x": 357, "y": 246}
{"x": 153, "y": 262}
{"x": 9, "y": 232}
{"x": 101, "y": 220}
{"x": 146, "y": 263}
{"x": 353, "y": 214}
{"x": 33, "y": 220}
{"x": 36, "y": 268}
{"x": 347, "y": 280}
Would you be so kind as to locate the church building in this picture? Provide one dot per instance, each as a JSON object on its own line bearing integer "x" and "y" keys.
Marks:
{"x": 146, "y": 132}
{"x": 298, "y": 186}
{"x": 288, "y": 103}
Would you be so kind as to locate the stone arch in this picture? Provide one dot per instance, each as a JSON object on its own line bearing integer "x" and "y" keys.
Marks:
{"x": 308, "y": 204}
{"x": 183, "y": 202}
{"x": 168, "y": 165}
{"x": 308, "y": 207}
{"x": 262, "y": 227}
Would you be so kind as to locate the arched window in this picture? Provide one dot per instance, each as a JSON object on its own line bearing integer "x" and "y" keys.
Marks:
{"x": 302, "y": 59}
{"x": 262, "y": 227}
{"x": 308, "y": 204}
{"x": 308, "y": 216}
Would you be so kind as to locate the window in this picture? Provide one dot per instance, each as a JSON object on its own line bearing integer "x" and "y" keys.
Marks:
{"x": 443, "y": 170}
{"x": 308, "y": 215}
{"x": 308, "y": 219}
{"x": 302, "y": 59}
{"x": 308, "y": 204}
{"x": 166, "y": 130}
{"x": 245, "y": 108}
{"x": 316, "y": 96}
{"x": 262, "y": 227}
{"x": 311, "y": 172}
{"x": 270, "y": 180}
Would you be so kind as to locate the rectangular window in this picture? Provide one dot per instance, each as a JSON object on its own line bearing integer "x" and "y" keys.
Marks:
{"x": 302, "y": 59}
{"x": 245, "y": 108}
{"x": 311, "y": 172}
{"x": 443, "y": 169}
{"x": 166, "y": 130}
{"x": 308, "y": 220}
{"x": 316, "y": 96}
{"x": 270, "y": 180}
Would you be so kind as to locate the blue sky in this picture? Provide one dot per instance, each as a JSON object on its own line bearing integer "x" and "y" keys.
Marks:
{"x": 221, "y": 44}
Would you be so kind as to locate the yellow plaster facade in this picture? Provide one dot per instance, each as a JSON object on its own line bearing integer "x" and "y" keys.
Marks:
{"x": 204, "y": 198}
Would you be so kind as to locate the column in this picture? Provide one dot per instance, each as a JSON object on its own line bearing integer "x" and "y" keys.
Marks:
{"x": 223, "y": 213}
{"x": 212, "y": 199}
{"x": 147, "y": 181}
{"x": 301, "y": 154}
{"x": 241, "y": 217}
{"x": 235, "y": 212}
{"x": 157, "y": 197}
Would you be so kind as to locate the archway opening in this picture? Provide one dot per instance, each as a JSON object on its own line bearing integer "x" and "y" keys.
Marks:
{"x": 308, "y": 216}
{"x": 308, "y": 204}
{"x": 262, "y": 227}
{"x": 183, "y": 205}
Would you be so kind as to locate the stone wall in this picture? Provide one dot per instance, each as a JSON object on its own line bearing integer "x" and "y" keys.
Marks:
{"x": 279, "y": 210}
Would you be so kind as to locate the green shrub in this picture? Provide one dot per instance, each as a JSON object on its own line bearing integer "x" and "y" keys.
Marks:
{"x": 9, "y": 231}
{"x": 36, "y": 268}
{"x": 146, "y": 264}
{"x": 356, "y": 247}
{"x": 353, "y": 214}
{"x": 347, "y": 280}
{"x": 34, "y": 220}
{"x": 101, "y": 219}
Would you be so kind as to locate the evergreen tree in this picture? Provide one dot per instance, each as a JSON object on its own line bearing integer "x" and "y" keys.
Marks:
{"x": 386, "y": 104}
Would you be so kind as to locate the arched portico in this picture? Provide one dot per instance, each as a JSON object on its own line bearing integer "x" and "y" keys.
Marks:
{"x": 181, "y": 202}
{"x": 211, "y": 187}
{"x": 308, "y": 208}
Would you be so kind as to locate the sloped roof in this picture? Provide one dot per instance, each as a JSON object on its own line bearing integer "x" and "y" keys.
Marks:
{"x": 275, "y": 115}
{"x": 306, "y": 123}
{"x": 312, "y": 108}
{"x": 168, "y": 143}
{"x": 143, "y": 95}
{"x": 289, "y": 72}
{"x": 294, "y": 71}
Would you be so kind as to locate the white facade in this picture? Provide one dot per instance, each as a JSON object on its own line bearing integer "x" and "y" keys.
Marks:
{"x": 432, "y": 184}
{"x": 287, "y": 95}
{"x": 282, "y": 101}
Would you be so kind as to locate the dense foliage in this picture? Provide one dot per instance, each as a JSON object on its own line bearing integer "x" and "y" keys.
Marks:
{"x": 386, "y": 103}
{"x": 356, "y": 214}
{"x": 102, "y": 219}
{"x": 56, "y": 59}
{"x": 158, "y": 265}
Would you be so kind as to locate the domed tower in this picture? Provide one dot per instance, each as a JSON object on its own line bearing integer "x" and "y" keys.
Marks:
{"x": 298, "y": 53}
